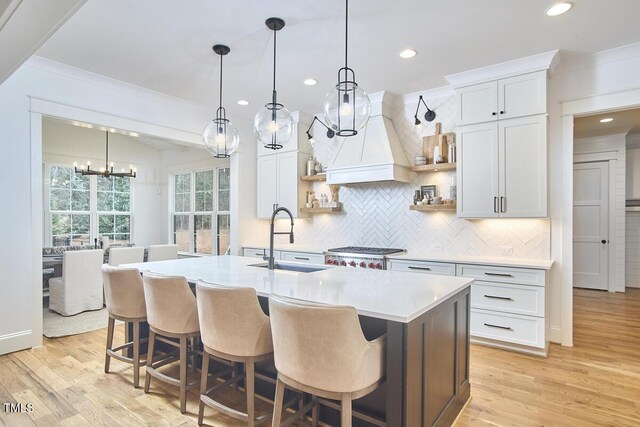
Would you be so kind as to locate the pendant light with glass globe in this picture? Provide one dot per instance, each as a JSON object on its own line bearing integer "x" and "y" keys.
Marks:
{"x": 273, "y": 124}
{"x": 347, "y": 106}
{"x": 220, "y": 138}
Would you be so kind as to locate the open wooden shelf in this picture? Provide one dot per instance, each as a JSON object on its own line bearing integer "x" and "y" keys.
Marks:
{"x": 313, "y": 178}
{"x": 320, "y": 210}
{"x": 434, "y": 168}
{"x": 434, "y": 208}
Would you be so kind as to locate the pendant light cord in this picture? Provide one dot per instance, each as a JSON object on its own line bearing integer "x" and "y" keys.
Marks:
{"x": 274, "y": 65}
{"x": 221, "y": 56}
{"x": 106, "y": 156}
{"x": 346, "y": 32}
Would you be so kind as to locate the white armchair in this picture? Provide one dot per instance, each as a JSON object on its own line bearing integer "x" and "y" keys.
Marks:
{"x": 80, "y": 287}
{"x": 119, "y": 256}
{"x": 162, "y": 252}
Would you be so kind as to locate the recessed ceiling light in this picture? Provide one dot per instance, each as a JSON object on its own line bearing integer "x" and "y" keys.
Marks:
{"x": 558, "y": 9}
{"x": 310, "y": 82}
{"x": 243, "y": 102}
{"x": 606, "y": 120}
{"x": 408, "y": 53}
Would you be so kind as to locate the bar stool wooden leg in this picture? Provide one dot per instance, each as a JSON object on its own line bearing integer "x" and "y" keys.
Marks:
{"x": 147, "y": 378}
{"x": 250, "y": 369}
{"x": 107, "y": 358}
{"x": 203, "y": 385}
{"x": 314, "y": 412}
{"x": 277, "y": 404}
{"x": 345, "y": 410}
{"x": 136, "y": 354}
{"x": 183, "y": 374}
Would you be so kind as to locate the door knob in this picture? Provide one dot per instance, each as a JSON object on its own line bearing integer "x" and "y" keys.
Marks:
{"x": 603, "y": 241}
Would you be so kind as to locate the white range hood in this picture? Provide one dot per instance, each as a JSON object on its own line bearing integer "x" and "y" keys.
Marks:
{"x": 374, "y": 154}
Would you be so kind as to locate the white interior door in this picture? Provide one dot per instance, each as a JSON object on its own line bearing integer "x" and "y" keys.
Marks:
{"x": 591, "y": 225}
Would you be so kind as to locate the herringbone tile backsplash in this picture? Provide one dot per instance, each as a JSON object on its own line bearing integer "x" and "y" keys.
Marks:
{"x": 377, "y": 214}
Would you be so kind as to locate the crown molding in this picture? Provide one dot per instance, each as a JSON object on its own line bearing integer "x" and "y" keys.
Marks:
{"x": 528, "y": 64}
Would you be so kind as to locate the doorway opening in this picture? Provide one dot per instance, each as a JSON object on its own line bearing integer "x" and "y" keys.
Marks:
{"x": 606, "y": 213}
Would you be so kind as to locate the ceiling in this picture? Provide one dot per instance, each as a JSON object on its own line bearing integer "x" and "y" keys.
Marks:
{"x": 627, "y": 121}
{"x": 165, "y": 45}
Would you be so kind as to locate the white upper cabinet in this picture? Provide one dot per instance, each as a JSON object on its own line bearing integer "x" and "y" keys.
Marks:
{"x": 477, "y": 103}
{"x": 278, "y": 175}
{"x": 524, "y": 95}
{"x": 518, "y": 96}
{"x": 523, "y": 167}
{"x": 478, "y": 184}
{"x": 267, "y": 185}
{"x": 502, "y": 148}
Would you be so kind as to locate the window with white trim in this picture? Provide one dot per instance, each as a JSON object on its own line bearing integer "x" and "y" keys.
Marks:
{"x": 200, "y": 214}
{"x": 84, "y": 208}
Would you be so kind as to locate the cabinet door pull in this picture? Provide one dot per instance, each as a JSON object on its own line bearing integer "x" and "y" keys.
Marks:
{"x": 497, "y": 297}
{"x": 498, "y": 274}
{"x": 501, "y": 111}
{"x": 503, "y": 203}
{"x": 495, "y": 205}
{"x": 301, "y": 258}
{"x": 494, "y": 114}
{"x": 411, "y": 267}
{"x": 259, "y": 254}
{"x": 508, "y": 328}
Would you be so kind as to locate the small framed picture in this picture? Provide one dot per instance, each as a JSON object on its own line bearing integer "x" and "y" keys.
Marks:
{"x": 430, "y": 191}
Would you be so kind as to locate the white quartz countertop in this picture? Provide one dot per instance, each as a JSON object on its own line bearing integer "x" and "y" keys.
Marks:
{"x": 389, "y": 295}
{"x": 544, "y": 264}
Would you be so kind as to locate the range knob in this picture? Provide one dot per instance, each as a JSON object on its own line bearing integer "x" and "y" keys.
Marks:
{"x": 329, "y": 262}
{"x": 372, "y": 265}
{"x": 379, "y": 266}
{"x": 352, "y": 263}
{"x": 363, "y": 264}
{"x": 343, "y": 263}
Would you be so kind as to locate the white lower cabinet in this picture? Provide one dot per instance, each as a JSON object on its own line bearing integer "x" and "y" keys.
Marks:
{"x": 426, "y": 267}
{"x": 309, "y": 258}
{"x": 259, "y": 253}
{"x": 509, "y": 328}
{"x": 508, "y": 307}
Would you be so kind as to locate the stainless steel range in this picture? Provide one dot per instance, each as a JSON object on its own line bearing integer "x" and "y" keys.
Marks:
{"x": 359, "y": 257}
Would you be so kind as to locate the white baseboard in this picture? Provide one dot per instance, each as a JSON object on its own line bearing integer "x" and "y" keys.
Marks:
{"x": 15, "y": 341}
{"x": 555, "y": 334}
{"x": 543, "y": 352}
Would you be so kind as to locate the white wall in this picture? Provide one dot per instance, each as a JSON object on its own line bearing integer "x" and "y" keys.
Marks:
{"x": 603, "y": 73}
{"x": 42, "y": 87}
{"x": 612, "y": 144}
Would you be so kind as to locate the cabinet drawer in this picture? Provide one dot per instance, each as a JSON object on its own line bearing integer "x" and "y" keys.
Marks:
{"x": 302, "y": 257}
{"x": 426, "y": 267}
{"x": 508, "y": 298}
{"x": 512, "y": 328}
{"x": 259, "y": 253}
{"x": 522, "y": 276}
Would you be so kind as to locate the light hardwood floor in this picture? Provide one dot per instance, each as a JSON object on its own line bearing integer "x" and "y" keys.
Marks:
{"x": 595, "y": 383}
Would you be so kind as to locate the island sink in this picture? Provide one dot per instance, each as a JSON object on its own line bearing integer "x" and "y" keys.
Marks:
{"x": 290, "y": 267}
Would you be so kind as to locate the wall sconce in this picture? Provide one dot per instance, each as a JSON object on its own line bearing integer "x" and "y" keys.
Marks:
{"x": 330, "y": 132}
{"x": 429, "y": 116}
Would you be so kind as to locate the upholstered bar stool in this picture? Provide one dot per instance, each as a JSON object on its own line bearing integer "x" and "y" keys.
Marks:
{"x": 321, "y": 350}
{"x": 171, "y": 313}
{"x": 233, "y": 328}
{"x": 124, "y": 295}
{"x": 162, "y": 252}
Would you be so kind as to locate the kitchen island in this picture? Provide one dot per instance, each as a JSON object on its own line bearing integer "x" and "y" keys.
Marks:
{"x": 425, "y": 317}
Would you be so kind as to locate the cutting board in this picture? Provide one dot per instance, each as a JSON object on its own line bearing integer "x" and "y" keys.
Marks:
{"x": 431, "y": 141}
